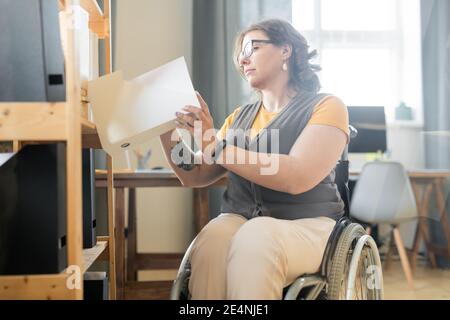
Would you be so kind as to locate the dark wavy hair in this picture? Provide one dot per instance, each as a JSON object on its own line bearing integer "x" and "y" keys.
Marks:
{"x": 302, "y": 74}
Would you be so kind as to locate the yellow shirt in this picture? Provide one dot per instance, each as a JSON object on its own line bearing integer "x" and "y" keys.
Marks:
{"x": 329, "y": 111}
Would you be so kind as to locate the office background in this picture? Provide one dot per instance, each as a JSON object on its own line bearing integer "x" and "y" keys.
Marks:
{"x": 149, "y": 33}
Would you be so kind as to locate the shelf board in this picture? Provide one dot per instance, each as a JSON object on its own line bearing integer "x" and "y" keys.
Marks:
{"x": 61, "y": 4}
{"x": 48, "y": 286}
{"x": 103, "y": 238}
{"x": 104, "y": 256}
{"x": 97, "y": 21}
{"x": 33, "y": 121}
{"x": 40, "y": 121}
{"x": 90, "y": 138}
{"x": 91, "y": 6}
{"x": 88, "y": 127}
{"x": 91, "y": 255}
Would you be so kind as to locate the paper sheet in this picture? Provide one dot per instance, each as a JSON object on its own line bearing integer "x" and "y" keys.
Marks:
{"x": 130, "y": 113}
{"x": 4, "y": 157}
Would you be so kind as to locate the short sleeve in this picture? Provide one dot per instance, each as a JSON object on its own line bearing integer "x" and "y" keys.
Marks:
{"x": 331, "y": 111}
{"x": 221, "y": 134}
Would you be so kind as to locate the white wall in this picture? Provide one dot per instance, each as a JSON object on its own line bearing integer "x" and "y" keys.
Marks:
{"x": 150, "y": 33}
{"x": 405, "y": 144}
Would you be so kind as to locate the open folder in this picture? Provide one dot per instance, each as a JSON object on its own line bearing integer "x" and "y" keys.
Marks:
{"x": 128, "y": 113}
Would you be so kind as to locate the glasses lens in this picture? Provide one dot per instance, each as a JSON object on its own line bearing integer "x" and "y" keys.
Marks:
{"x": 248, "y": 49}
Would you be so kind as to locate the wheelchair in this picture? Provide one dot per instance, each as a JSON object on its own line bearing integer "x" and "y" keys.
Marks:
{"x": 350, "y": 269}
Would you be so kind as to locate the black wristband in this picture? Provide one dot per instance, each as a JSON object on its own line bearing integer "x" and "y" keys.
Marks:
{"x": 218, "y": 149}
{"x": 180, "y": 154}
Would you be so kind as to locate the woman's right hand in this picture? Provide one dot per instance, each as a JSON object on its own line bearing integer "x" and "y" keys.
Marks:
{"x": 199, "y": 122}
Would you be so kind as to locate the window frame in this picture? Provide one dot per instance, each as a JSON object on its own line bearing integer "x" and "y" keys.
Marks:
{"x": 392, "y": 40}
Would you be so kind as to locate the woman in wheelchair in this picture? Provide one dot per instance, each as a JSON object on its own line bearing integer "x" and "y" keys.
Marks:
{"x": 279, "y": 210}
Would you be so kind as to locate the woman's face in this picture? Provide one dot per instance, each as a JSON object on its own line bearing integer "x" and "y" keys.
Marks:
{"x": 264, "y": 65}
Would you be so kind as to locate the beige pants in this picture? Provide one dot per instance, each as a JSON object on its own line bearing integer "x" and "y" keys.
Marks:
{"x": 236, "y": 258}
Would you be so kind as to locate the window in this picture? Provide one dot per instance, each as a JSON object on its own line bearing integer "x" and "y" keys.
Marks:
{"x": 369, "y": 50}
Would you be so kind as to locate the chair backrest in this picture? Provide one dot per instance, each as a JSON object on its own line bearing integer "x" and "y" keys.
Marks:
{"x": 341, "y": 173}
{"x": 341, "y": 180}
{"x": 383, "y": 193}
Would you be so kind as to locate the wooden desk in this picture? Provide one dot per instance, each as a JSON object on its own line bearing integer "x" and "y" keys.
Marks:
{"x": 424, "y": 182}
{"x": 128, "y": 260}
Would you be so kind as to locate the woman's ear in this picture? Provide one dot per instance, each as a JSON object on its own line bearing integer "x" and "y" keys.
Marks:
{"x": 286, "y": 51}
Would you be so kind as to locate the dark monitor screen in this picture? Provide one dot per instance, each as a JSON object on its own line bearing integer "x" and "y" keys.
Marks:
{"x": 371, "y": 125}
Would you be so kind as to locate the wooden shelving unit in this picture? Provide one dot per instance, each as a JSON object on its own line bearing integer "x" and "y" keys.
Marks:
{"x": 92, "y": 254}
{"x": 65, "y": 121}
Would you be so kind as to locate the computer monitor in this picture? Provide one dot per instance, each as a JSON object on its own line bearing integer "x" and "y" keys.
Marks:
{"x": 371, "y": 125}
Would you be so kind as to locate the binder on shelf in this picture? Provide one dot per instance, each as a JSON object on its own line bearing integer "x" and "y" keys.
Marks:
{"x": 31, "y": 54}
{"x": 95, "y": 286}
{"x": 89, "y": 217}
{"x": 33, "y": 210}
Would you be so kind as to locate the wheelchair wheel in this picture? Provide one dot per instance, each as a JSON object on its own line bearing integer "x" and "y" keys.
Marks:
{"x": 180, "y": 287}
{"x": 180, "y": 290}
{"x": 355, "y": 272}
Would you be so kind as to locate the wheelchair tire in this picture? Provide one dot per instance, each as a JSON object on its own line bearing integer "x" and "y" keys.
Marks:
{"x": 341, "y": 260}
{"x": 180, "y": 290}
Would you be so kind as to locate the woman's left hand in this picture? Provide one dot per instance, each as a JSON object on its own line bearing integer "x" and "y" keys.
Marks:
{"x": 198, "y": 122}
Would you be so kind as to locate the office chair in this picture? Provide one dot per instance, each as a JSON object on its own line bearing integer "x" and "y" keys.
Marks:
{"x": 384, "y": 194}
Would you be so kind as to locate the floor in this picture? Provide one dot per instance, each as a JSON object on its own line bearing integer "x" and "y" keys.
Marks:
{"x": 429, "y": 284}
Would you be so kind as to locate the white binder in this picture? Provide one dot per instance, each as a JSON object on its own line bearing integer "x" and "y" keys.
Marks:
{"x": 128, "y": 113}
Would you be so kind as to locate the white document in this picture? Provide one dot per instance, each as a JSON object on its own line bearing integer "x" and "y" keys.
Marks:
{"x": 130, "y": 113}
{"x": 4, "y": 157}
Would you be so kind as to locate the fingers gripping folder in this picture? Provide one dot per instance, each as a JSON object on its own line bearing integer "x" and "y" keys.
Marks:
{"x": 128, "y": 113}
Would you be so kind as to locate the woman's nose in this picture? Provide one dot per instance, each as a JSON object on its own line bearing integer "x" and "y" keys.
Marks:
{"x": 243, "y": 61}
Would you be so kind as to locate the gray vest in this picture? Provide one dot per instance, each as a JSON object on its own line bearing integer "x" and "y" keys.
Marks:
{"x": 252, "y": 200}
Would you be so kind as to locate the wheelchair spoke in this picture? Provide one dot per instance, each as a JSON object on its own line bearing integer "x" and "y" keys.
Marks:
{"x": 363, "y": 270}
{"x": 344, "y": 278}
{"x": 359, "y": 293}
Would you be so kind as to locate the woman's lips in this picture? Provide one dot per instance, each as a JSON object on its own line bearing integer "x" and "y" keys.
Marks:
{"x": 249, "y": 71}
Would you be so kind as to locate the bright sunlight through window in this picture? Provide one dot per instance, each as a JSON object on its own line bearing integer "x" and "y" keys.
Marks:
{"x": 369, "y": 50}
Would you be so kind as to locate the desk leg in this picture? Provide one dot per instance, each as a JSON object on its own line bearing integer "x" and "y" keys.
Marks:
{"x": 201, "y": 208}
{"x": 421, "y": 231}
{"x": 417, "y": 235}
{"x": 120, "y": 241}
{"x": 439, "y": 184}
{"x": 131, "y": 237}
{"x": 111, "y": 229}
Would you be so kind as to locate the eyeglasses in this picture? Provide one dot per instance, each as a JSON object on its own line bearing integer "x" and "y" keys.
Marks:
{"x": 248, "y": 48}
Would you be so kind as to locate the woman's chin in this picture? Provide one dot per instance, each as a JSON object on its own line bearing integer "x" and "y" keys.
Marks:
{"x": 254, "y": 83}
